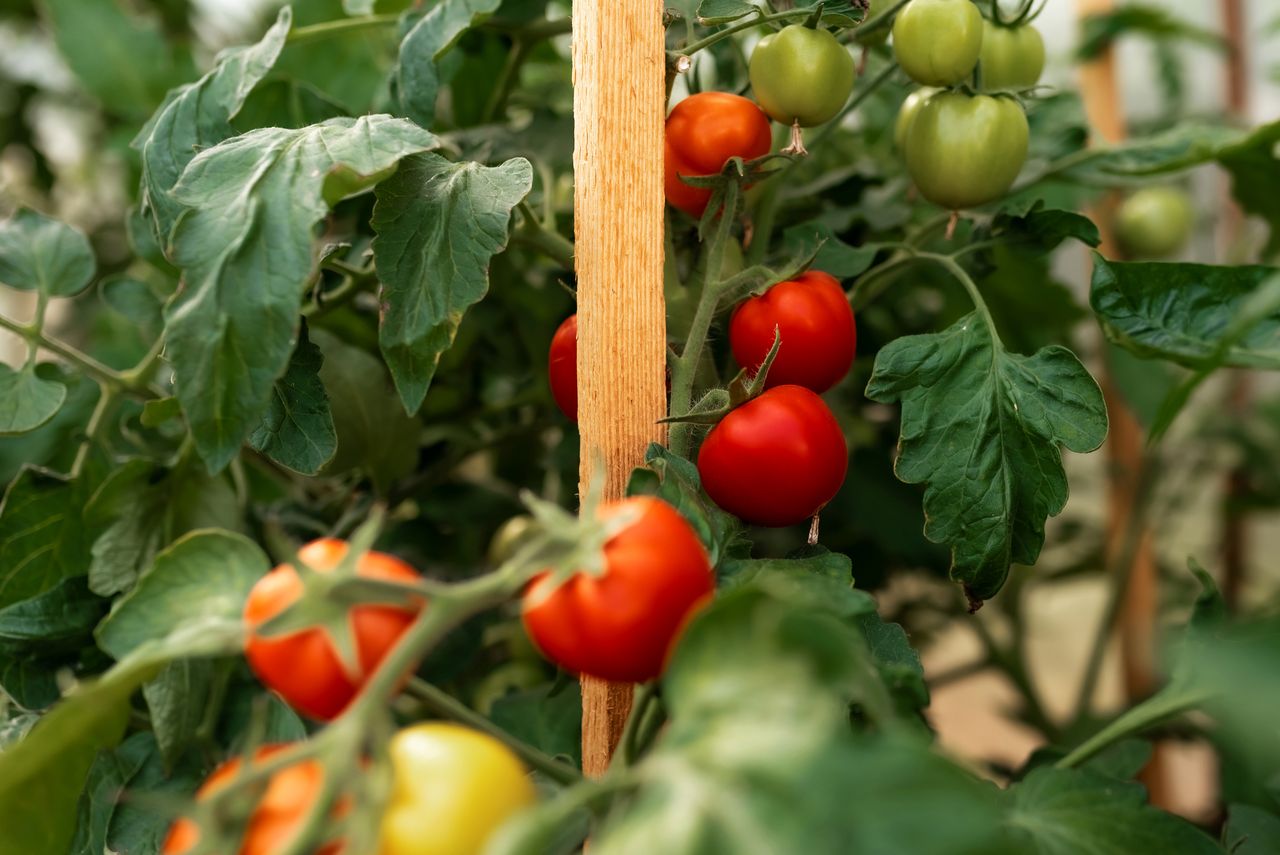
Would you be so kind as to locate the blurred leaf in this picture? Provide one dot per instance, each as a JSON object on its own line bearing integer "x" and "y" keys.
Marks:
{"x": 41, "y": 254}
{"x": 64, "y": 614}
{"x": 255, "y": 202}
{"x": 196, "y": 589}
{"x": 417, "y": 76}
{"x": 178, "y": 699}
{"x": 438, "y": 225}
{"x": 1197, "y": 315}
{"x": 981, "y": 427}
{"x": 29, "y": 401}
{"x": 1251, "y": 831}
{"x": 1254, "y": 164}
{"x": 282, "y": 102}
{"x": 136, "y": 826}
{"x": 1182, "y": 147}
{"x": 110, "y": 772}
{"x": 297, "y": 430}
{"x": 1101, "y": 29}
{"x": 157, "y": 411}
{"x": 197, "y": 116}
{"x": 1070, "y": 811}
{"x": 123, "y": 60}
{"x": 374, "y": 434}
{"x": 142, "y": 507}
{"x": 32, "y": 682}
{"x": 350, "y": 71}
{"x": 136, "y": 301}
{"x": 713, "y": 12}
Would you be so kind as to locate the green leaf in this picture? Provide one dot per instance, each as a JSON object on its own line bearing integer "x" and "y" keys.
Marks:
{"x": 197, "y": 116}
{"x": 122, "y": 60}
{"x": 834, "y": 256}
{"x": 549, "y": 722}
{"x": 417, "y": 75}
{"x": 1182, "y": 147}
{"x": 142, "y": 507}
{"x": 713, "y": 12}
{"x": 54, "y": 444}
{"x": 283, "y": 102}
{"x": 374, "y": 433}
{"x": 41, "y": 254}
{"x": 110, "y": 772}
{"x": 1042, "y": 229}
{"x": 1254, "y": 164}
{"x": 178, "y": 700}
{"x": 196, "y": 589}
{"x": 1101, "y": 29}
{"x": 1251, "y": 831}
{"x": 136, "y": 301}
{"x": 157, "y": 411}
{"x": 823, "y": 576}
{"x": 42, "y": 537}
{"x": 981, "y": 428}
{"x": 29, "y": 401}
{"x": 31, "y": 682}
{"x": 48, "y": 622}
{"x": 297, "y": 431}
{"x": 247, "y": 249}
{"x": 136, "y": 826}
{"x": 675, "y": 480}
{"x": 1070, "y": 811}
{"x": 438, "y": 225}
{"x": 1186, "y": 312}
{"x": 898, "y": 662}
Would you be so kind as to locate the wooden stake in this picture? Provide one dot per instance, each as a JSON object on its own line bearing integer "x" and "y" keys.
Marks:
{"x": 1100, "y": 92}
{"x": 619, "y": 106}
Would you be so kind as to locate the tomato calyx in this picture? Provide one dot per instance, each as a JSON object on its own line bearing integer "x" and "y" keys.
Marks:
{"x": 718, "y": 403}
{"x": 728, "y": 184}
{"x": 1026, "y": 12}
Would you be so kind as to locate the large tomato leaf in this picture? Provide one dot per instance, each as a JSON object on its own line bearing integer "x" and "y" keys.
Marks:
{"x": 297, "y": 430}
{"x": 196, "y": 116}
{"x": 1185, "y": 312}
{"x": 1068, "y": 811}
{"x": 438, "y": 225}
{"x": 981, "y": 428}
{"x": 417, "y": 74}
{"x": 1251, "y": 831}
{"x": 247, "y": 251}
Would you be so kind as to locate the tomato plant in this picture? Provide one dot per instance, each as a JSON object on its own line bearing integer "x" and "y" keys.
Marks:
{"x": 938, "y": 42}
{"x": 1154, "y": 222}
{"x": 302, "y": 548}
{"x": 966, "y": 150}
{"x": 811, "y": 314}
{"x": 775, "y": 460}
{"x": 618, "y": 621}
{"x": 704, "y": 131}
{"x": 801, "y": 75}
{"x": 451, "y": 788}
{"x": 304, "y": 667}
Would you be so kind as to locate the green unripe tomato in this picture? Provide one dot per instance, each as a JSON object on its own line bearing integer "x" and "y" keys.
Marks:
{"x": 937, "y": 42}
{"x": 802, "y": 75}
{"x": 966, "y": 150}
{"x": 907, "y": 114}
{"x": 1154, "y": 222}
{"x": 1012, "y": 57}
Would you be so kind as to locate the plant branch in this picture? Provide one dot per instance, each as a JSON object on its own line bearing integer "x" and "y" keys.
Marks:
{"x": 1153, "y": 711}
{"x": 534, "y": 233}
{"x": 721, "y": 35}
{"x": 445, "y": 705}
{"x": 86, "y": 363}
{"x": 340, "y": 27}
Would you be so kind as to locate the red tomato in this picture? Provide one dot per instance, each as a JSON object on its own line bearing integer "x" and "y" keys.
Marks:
{"x": 562, "y": 367}
{"x": 276, "y": 819}
{"x": 818, "y": 334}
{"x": 704, "y": 131}
{"x": 621, "y": 625}
{"x": 775, "y": 460}
{"x": 304, "y": 668}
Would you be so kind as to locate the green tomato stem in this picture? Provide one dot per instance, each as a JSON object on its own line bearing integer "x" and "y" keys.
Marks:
{"x": 1153, "y": 711}
{"x": 340, "y": 27}
{"x": 443, "y": 704}
{"x": 962, "y": 276}
{"x": 86, "y": 363}
{"x": 721, "y": 35}
{"x": 536, "y": 234}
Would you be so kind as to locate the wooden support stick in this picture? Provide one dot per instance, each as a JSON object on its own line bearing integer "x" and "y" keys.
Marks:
{"x": 1099, "y": 89}
{"x": 619, "y": 105}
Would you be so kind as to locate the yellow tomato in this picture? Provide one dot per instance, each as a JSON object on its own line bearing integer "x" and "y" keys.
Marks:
{"x": 452, "y": 787}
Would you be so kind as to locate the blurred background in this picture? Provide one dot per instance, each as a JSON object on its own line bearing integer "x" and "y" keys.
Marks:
{"x": 64, "y": 149}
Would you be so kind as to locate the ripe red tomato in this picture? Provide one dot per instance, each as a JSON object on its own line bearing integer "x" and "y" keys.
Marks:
{"x": 304, "y": 668}
{"x": 562, "y": 367}
{"x": 279, "y": 813}
{"x": 816, "y": 323}
{"x": 621, "y": 625}
{"x": 704, "y": 131}
{"x": 776, "y": 460}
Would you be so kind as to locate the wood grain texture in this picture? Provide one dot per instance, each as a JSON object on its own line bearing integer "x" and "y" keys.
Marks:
{"x": 619, "y": 106}
{"x": 1100, "y": 91}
